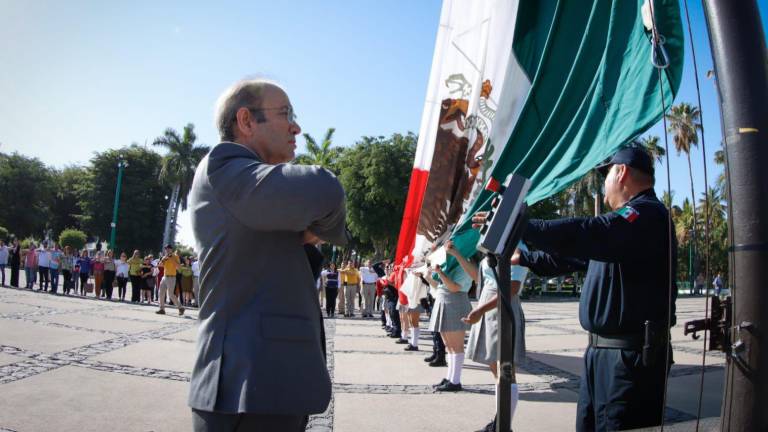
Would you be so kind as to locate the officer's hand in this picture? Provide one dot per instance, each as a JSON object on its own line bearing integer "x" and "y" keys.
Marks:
{"x": 479, "y": 219}
{"x": 515, "y": 260}
{"x": 473, "y": 317}
{"x": 308, "y": 236}
{"x": 450, "y": 248}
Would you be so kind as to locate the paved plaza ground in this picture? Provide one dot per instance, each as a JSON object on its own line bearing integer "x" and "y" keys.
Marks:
{"x": 74, "y": 364}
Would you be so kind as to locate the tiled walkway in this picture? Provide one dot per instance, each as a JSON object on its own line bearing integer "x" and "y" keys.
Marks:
{"x": 73, "y": 364}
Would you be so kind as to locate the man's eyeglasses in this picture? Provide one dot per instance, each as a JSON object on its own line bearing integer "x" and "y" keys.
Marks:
{"x": 287, "y": 111}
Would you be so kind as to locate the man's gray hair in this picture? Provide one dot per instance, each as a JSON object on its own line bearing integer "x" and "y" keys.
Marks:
{"x": 245, "y": 93}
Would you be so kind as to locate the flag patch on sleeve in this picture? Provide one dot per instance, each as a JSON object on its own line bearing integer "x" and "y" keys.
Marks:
{"x": 628, "y": 213}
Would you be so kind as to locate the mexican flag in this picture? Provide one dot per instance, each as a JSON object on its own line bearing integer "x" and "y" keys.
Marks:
{"x": 546, "y": 89}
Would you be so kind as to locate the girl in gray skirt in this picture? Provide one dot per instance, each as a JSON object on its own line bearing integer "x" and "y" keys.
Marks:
{"x": 482, "y": 346}
{"x": 451, "y": 305}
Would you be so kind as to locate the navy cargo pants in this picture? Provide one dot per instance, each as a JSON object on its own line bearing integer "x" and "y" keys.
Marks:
{"x": 617, "y": 392}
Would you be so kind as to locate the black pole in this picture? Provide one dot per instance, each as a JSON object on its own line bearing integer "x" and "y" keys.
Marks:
{"x": 739, "y": 52}
{"x": 505, "y": 366}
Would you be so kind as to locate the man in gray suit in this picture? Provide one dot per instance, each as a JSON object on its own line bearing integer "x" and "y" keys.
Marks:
{"x": 260, "y": 363}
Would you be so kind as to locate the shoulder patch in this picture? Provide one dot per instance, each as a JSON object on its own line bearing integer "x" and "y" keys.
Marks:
{"x": 628, "y": 213}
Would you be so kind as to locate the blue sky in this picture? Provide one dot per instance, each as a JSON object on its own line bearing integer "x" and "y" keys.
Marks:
{"x": 80, "y": 77}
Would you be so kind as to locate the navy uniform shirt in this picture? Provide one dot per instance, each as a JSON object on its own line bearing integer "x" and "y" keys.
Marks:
{"x": 626, "y": 254}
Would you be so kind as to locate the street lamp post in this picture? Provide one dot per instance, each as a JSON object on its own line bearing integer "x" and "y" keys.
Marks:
{"x": 121, "y": 165}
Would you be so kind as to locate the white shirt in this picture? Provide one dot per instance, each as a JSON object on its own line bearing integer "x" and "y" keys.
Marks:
{"x": 121, "y": 268}
{"x": 369, "y": 276}
{"x": 3, "y": 255}
{"x": 43, "y": 258}
{"x": 196, "y": 269}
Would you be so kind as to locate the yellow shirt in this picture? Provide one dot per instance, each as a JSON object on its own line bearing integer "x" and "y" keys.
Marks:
{"x": 170, "y": 264}
{"x": 134, "y": 266}
{"x": 350, "y": 276}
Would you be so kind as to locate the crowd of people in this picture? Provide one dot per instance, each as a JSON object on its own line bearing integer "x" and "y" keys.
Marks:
{"x": 97, "y": 273}
{"x": 385, "y": 288}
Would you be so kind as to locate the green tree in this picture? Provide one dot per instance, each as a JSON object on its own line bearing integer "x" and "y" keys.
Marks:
{"x": 178, "y": 171}
{"x": 26, "y": 188}
{"x": 323, "y": 154}
{"x": 142, "y": 199}
{"x": 73, "y": 238}
{"x": 684, "y": 124}
{"x": 66, "y": 211}
{"x": 4, "y": 234}
{"x": 651, "y": 144}
{"x": 375, "y": 174}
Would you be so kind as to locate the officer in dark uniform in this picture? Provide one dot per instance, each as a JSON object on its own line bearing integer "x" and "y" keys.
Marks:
{"x": 627, "y": 302}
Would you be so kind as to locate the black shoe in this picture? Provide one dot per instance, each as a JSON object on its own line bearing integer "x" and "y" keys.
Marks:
{"x": 411, "y": 348}
{"x": 448, "y": 387}
{"x": 438, "y": 362}
{"x": 445, "y": 380}
{"x": 394, "y": 335}
{"x": 431, "y": 358}
{"x": 401, "y": 341}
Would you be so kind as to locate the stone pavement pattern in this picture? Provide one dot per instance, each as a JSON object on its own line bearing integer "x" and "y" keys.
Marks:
{"x": 73, "y": 364}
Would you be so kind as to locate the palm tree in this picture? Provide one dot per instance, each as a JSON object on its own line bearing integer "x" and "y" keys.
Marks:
{"x": 178, "y": 170}
{"x": 684, "y": 123}
{"x": 323, "y": 154}
{"x": 651, "y": 145}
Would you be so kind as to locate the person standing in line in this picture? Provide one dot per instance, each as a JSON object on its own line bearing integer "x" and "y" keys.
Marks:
{"x": 331, "y": 284}
{"x": 351, "y": 282}
{"x": 184, "y": 273}
{"x": 84, "y": 265}
{"x": 369, "y": 278}
{"x": 54, "y": 267}
{"x": 15, "y": 262}
{"x": 159, "y": 272}
{"x": 122, "y": 269}
{"x": 451, "y": 305}
{"x": 321, "y": 288}
{"x": 717, "y": 284}
{"x": 3, "y": 261}
{"x": 196, "y": 280}
{"x": 482, "y": 346}
{"x": 30, "y": 265}
{"x": 97, "y": 267}
{"x": 67, "y": 266}
{"x": 171, "y": 263}
{"x": 134, "y": 272}
{"x": 110, "y": 269}
{"x": 148, "y": 277}
{"x": 43, "y": 266}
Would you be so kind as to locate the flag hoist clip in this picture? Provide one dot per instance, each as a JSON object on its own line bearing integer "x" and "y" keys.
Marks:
{"x": 501, "y": 232}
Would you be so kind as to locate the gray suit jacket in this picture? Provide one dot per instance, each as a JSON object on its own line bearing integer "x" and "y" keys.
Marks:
{"x": 258, "y": 347}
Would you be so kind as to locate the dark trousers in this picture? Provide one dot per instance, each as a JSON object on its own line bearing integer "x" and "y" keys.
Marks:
{"x": 54, "y": 280}
{"x": 330, "y": 300}
{"x": 67, "y": 285}
{"x": 205, "y": 421}
{"x": 44, "y": 278}
{"x": 2, "y": 273}
{"x": 106, "y": 287}
{"x": 83, "y": 281}
{"x": 136, "y": 284}
{"x": 617, "y": 392}
{"x": 14, "y": 276}
{"x": 394, "y": 314}
{"x": 438, "y": 345}
{"x": 122, "y": 282}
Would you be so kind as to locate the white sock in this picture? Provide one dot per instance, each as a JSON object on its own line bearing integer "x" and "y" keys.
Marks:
{"x": 389, "y": 320}
{"x": 451, "y": 362}
{"x": 415, "y": 337}
{"x": 403, "y": 335}
{"x": 458, "y": 362}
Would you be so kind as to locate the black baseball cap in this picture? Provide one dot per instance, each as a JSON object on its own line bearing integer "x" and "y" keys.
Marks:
{"x": 634, "y": 156}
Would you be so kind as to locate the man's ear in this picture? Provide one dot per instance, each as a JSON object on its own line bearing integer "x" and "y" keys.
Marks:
{"x": 243, "y": 123}
{"x": 622, "y": 173}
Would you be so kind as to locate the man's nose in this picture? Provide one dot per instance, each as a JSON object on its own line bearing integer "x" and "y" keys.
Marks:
{"x": 295, "y": 128}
